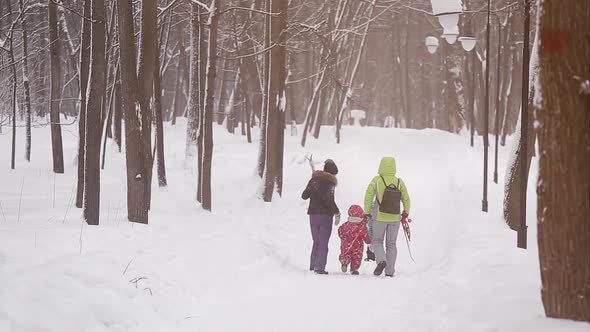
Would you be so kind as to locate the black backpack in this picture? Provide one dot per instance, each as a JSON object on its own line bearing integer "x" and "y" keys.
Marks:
{"x": 390, "y": 203}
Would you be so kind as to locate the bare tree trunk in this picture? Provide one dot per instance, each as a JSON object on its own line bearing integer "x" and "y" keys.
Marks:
{"x": 248, "y": 106}
{"x": 177, "y": 92}
{"x": 95, "y": 96}
{"x": 202, "y": 78}
{"x": 208, "y": 106}
{"x": 14, "y": 85}
{"x": 26, "y": 80}
{"x": 161, "y": 163}
{"x": 137, "y": 155}
{"x": 564, "y": 178}
{"x": 193, "y": 110}
{"x": 54, "y": 92}
{"x": 118, "y": 110}
{"x": 263, "y": 146}
{"x": 514, "y": 178}
{"x": 195, "y": 106}
{"x": 145, "y": 75}
{"x": 277, "y": 75}
{"x": 84, "y": 68}
{"x": 109, "y": 118}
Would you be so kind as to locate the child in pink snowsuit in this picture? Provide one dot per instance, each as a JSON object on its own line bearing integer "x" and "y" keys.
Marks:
{"x": 353, "y": 233}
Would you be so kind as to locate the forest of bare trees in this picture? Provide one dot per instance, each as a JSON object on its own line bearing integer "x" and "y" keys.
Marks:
{"x": 241, "y": 66}
{"x": 118, "y": 70}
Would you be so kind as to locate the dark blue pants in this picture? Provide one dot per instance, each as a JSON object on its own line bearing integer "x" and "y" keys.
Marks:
{"x": 321, "y": 229}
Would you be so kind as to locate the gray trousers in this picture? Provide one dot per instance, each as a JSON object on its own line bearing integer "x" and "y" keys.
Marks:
{"x": 385, "y": 231}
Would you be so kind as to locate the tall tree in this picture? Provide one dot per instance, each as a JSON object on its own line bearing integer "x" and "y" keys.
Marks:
{"x": 515, "y": 177}
{"x": 161, "y": 163}
{"x": 55, "y": 90}
{"x": 26, "y": 84}
{"x": 94, "y": 106}
{"x": 276, "y": 80}
{"x": 263, "y": 145}
{"x": 146, "y": 73}
{"x": 84, "y": 64}
{"x": 207, "y": 125}
{"x": 195, "y": 109}
{"x": 136, "y": 111}
{"x": 563, "y": 190}
{"x": 14, "y": 85}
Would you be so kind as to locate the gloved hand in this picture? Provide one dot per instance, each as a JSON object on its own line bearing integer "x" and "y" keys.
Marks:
{"x": 336, "y": 219}
{"x": 368, "y": 215}
{"x": 404, "y": 214}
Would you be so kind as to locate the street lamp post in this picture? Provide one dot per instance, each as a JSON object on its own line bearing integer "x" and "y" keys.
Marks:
{"x": 447, "y": 21}
{"x": 484, "y": 201}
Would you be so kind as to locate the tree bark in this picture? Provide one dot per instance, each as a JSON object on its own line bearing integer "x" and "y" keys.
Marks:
{"x": 277, "y": 75}
{"x": 95, "y": 96}
{"x": 208, "y": 105}
{"x": 118, "y": 110}
{"x": 263, "y": 146}
{"x": 84, "y": 68}
{"x": 515, "y": 177}
{"x": 145, "y": 75}
{"x": 54, "y": 91}
{"x": 26, "y": 84}
{"x": 194, "y": 104}
{"x": 564, "y": 142}
{"x": 137, "y": 155}
{"x": 161, "y": 163}
{"x": 14, "y": 86}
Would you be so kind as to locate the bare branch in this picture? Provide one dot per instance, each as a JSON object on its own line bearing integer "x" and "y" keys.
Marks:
{"x": 58, "y": 3}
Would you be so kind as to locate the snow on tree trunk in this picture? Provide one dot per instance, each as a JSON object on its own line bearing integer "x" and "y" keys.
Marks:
{"x": 277, "y": 75}
{"x": 13, "y": 101}
{"x": 263, "y": 146}
{"x": 54, "y": 91}
{"x": 95, "y": 93}
{"x": 207, "y": 129}
{"x": 118, "y": 110}
{"x": 136, "y": 154}
{"x": 161, "y": 162}
{"x": 145, "y": 76}
{"x": 26, "y": 84}
{"x": 563, "y": 187}
{"x": 514, "y": 178}
{"x": 195, "y": 111}
{"x": 84, "y": 63}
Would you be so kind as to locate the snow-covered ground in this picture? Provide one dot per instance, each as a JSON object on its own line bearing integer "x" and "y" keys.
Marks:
{"x": 243, "y": 267}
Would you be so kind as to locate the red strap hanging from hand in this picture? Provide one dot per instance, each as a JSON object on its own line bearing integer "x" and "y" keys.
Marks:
{"x": 406, "y": 225}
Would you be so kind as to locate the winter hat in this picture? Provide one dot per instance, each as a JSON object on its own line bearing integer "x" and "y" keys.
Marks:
{"x": 330, "y": 167}
{"x": 355, "y": 211}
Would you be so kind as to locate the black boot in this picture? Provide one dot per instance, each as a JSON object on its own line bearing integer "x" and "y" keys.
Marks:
{"x": 354, "y": 273}
{"x": 321, "y": 272}
{"x": 379, "y": 269}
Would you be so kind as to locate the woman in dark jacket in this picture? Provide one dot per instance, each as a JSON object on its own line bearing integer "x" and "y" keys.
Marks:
{"x": 322, "y": 208}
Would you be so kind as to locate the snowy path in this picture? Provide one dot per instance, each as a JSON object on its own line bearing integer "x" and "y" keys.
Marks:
{"x": 244, "y": 267}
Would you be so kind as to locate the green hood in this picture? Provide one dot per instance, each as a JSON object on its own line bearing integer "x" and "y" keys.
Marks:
{"x": 387, "y": 166}
{"x": 386, "y": 176}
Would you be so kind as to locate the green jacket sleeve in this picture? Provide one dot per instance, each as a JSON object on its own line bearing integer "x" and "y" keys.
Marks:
{"x": 369, "y": 196}
{"x": 405, "y": 196}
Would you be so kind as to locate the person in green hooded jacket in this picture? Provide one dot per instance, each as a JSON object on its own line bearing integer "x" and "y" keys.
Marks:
{"x": 385, "y": 225}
